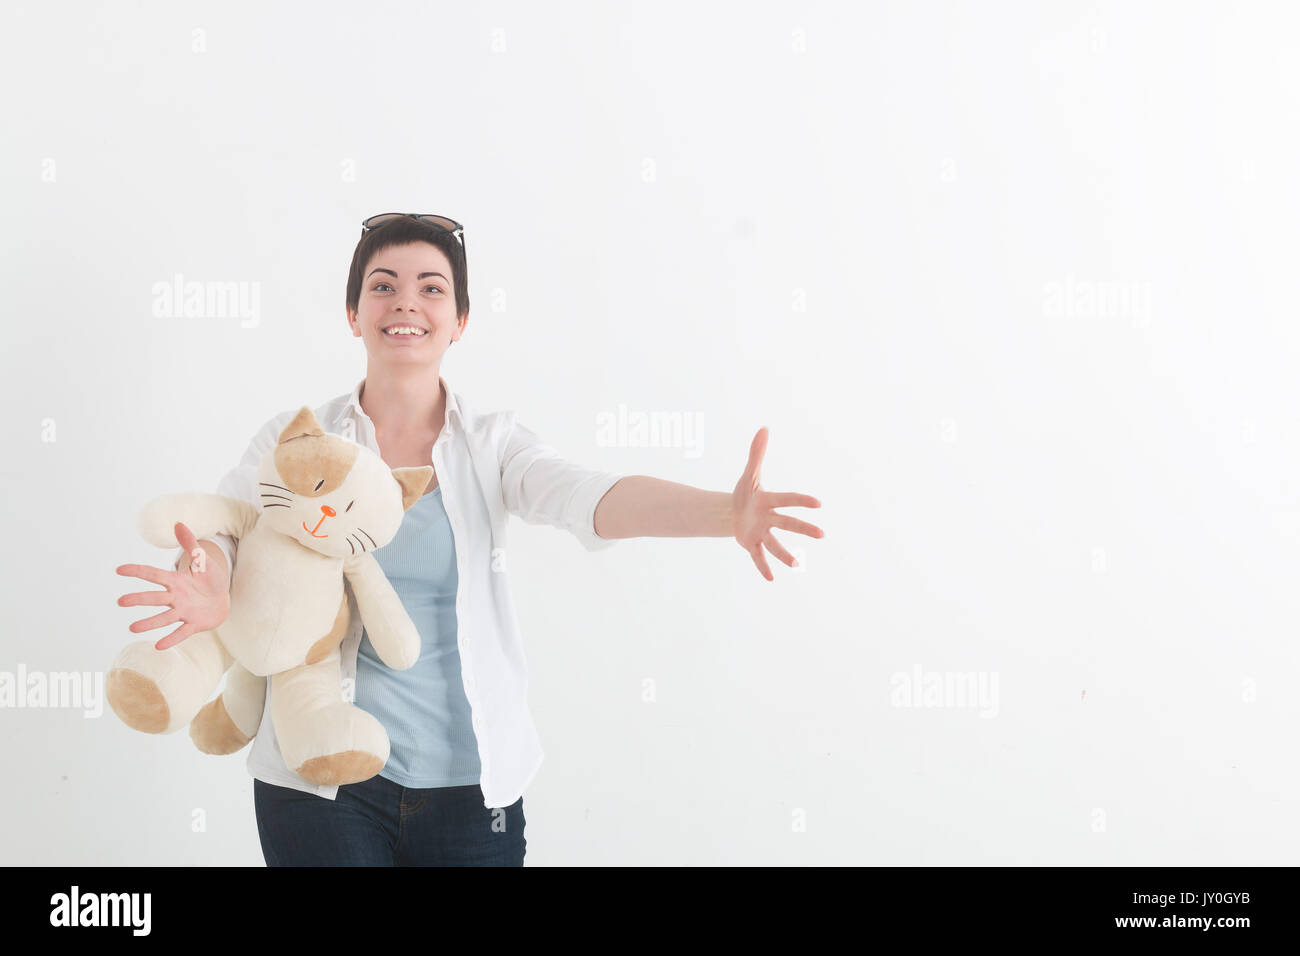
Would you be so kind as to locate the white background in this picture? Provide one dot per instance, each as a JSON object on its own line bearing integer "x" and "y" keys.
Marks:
{"x": 880, "y": 231}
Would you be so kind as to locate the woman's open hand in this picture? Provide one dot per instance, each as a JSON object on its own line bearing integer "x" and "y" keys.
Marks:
{"x": 200, "y": 599}
{"x": 754, "y": 514}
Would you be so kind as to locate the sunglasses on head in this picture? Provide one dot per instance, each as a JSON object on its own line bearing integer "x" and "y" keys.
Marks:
{"x": 442, "y": 222}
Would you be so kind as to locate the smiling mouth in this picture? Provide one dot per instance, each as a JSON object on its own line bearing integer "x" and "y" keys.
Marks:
{"x": 416, "y": 334}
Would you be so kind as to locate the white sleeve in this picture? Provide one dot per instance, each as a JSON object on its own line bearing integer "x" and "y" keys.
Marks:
{"x": 542, "y": 488}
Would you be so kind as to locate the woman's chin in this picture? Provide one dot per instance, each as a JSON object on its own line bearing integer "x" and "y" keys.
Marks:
{"x": 405, "y": 356}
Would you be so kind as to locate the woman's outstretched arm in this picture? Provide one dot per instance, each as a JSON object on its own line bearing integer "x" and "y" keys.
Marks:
{"x": 641, "y": 506}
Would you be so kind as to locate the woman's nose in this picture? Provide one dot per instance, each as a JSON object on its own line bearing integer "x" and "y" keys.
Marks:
{"x": 327, "y": 511}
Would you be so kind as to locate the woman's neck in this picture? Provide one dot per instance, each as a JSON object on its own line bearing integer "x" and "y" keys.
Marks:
{"x": 411, "y": 405}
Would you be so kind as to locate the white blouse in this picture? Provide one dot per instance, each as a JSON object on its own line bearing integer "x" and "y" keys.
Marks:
{"x": 488, "y": 466}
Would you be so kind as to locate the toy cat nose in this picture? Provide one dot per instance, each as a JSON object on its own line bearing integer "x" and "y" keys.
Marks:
{"x": 328, "y": 511}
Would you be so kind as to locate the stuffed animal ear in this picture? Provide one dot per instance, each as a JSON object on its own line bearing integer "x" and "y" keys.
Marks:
{"x": 413, "y": 481}
{"x": 304, "y": 423}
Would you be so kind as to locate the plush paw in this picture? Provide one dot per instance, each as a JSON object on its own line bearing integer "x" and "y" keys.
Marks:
{"x": 214, "y": 732}
{"x": 350, "y": 766}
{"x": 138, "y": 700}
{"x": 159, "y": 692}
{"x": 332, "y": 745}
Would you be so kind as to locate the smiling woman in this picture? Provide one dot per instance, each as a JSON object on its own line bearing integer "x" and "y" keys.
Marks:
{"x": 407, "y": 286}
{"x": 463, "y": 744}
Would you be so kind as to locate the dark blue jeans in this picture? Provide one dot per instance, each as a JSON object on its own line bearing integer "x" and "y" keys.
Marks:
{"x": 378, "y": 822}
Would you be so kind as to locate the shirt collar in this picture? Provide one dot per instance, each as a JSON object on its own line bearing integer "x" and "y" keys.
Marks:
{"x": 453, "y": 406}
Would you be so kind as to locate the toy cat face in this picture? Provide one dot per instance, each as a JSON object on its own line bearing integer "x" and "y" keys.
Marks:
{"x": 331, "y": 494}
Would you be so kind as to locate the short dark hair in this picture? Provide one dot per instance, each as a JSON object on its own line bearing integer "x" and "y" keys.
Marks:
{"x": 400, "y": 232}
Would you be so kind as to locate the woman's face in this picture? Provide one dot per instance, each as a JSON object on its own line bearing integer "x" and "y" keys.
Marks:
{"x": 407, "y": 287}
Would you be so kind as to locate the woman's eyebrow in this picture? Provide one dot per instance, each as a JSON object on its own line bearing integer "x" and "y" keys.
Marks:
{"x": 422, "y": 275}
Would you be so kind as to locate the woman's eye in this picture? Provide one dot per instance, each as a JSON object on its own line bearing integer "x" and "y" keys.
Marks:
{"x": 385, "y": 285}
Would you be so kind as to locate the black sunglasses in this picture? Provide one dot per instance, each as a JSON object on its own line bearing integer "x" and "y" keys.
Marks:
{"x": 442, "y": 222}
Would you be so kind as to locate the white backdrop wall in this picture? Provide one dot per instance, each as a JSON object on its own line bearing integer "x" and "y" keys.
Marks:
{"x": 1010, "y": 284}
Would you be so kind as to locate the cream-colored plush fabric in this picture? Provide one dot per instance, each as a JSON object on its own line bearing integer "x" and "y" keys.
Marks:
{"x": 327, "y": 503}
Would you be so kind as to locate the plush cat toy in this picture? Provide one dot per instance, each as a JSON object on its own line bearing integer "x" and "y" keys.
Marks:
{"x": 327, "y": 503}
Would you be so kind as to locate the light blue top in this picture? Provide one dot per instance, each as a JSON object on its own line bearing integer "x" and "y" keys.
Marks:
{"x": 423, "y": 708}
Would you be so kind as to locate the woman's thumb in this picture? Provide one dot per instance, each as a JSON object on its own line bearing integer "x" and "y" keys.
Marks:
{"x": 185, "y": 537}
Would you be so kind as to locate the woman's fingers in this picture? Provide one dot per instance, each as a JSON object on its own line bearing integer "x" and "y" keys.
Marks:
{"x": 756, "y": 449}
{"x": 775, "y": 547}
{"x": 184, "y": 536}
{"x": 792, "y": 499}
{"x": 760, "y": 562}
{"x": 175, "y": 637}
{"x": 794, "y": 524}
{"x": 145, "y": 597}
{"x": 156, "y": 575}
{"x": 158, "y": 620}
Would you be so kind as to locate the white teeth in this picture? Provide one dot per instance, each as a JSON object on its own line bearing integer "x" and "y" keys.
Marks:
{"x": 404, "y": 330}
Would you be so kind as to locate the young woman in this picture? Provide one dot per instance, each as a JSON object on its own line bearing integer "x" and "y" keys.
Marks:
{"x": 463, "y": 744}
